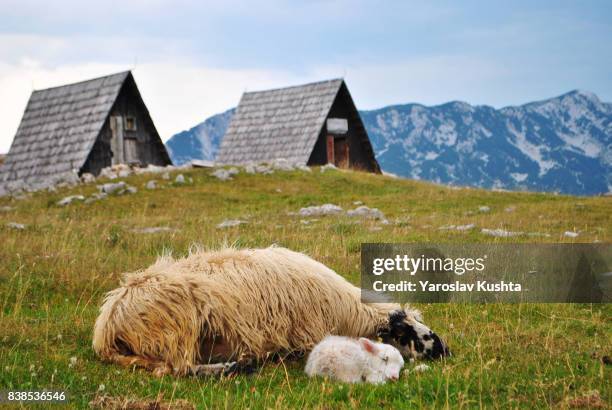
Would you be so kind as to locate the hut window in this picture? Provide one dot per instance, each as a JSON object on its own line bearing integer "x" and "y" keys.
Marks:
{"x": 130, "y": 124}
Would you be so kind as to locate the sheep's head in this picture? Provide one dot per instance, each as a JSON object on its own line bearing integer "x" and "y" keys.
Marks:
{"x": 384, "y": 361}
{"x": 411, "y": 337}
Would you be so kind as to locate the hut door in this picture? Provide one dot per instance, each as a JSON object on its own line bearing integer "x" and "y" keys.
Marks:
{"x": 116, "y": 125}
{"x": 130, "y": 147}
{"x": 341, "y": 152}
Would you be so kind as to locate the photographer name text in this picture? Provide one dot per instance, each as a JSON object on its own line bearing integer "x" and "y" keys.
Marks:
{"x": 427, "y": 286}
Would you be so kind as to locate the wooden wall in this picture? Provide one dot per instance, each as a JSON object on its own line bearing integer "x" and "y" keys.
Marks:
{"x": 148, "y": 147}
{"x": 360, "y": 158}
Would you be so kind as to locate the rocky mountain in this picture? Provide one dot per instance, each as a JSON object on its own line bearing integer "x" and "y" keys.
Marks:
{"x": 201, "y": 141}
{"x": 563, "y": 144}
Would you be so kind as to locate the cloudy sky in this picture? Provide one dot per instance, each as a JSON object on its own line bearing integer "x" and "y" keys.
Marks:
{"x": 192, "y": 59}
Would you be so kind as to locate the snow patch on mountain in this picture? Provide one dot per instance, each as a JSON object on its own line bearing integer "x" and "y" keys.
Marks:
{"x": 563, "y": 144}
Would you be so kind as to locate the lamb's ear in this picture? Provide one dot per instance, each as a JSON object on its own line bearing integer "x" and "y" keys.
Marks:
{"x": 368, "y": 345}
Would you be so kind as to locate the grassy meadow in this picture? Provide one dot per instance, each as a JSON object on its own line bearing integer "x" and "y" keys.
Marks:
{"x": 54, "y": 273}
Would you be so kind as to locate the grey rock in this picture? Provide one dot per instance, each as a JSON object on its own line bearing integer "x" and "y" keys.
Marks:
{"x": 111, "y": 188}
{"x": 222, "y": 174}
{"x": 69, "y": 199}
{"x": 328, "y": 167}
{"x": 154, "y": 229}
{"x": 15, "y": 225}
{"x": 326, "y": 209}
{"x": 131, "y": 189}
{"x": 500, "y": 233}
{"x": 229, "y": 223}
{"x": 88, "y": 178}
{"x": 366, "y": 212}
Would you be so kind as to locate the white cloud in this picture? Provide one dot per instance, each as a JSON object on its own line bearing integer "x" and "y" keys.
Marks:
{"x": 178, "y": 95}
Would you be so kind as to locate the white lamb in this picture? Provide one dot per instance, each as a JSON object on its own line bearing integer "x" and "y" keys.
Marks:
{"x": 354, "y": 360}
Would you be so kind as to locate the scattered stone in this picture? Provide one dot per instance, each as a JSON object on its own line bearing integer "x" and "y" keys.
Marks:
{"x": 278, "y": 190}
{"x": 153, "y": 169}
{"x": 117, "y": 188}
{"x": 152, "y": 184}
{"x": 570, "y": 234}
{"x": 447, "y": 227}
{"x": 465, "y": 227}
{"x": 69, "y": 199}
{"x": 124, "y": 173}
{"x": 283, "y": 165}
{"x": 328, "y": 167}
{"x": 87, "y": 178}
{"x": 376, "y": 228}
{"x": 95, "y": 197}
{"x": 166, "y": 176}
{"x": 365, "y": 212}
{"x": 222, "y": 174}
{"x": 111, "y": 188}
{"x": 421, "y": 368}
{"x": 510, "y": 208}
{"x": 154, "y": 229}
{"x": 326, "y": 209}
{"x": 229, "y": 223}
{"x": 304, "y": 168}
{"x": 500, "y": 233}
{"x": 457, "y": 227}
{"x": 108, "y": 173}
{"x": 5, "y": 209}
{"x": 357, "y": 203}
{"x": 15, "y": 225}
{"x": 180, "y": 179}
{"x": 484, "y": 209}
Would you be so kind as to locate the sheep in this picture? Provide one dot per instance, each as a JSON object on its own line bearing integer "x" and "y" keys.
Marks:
{"x": 354, "y": 360}
{"x": 201, "y": 314}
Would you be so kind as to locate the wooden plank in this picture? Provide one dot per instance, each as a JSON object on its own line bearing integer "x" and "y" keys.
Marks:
{"x": 117, "y": 139}
{"x": 330, "y": 149}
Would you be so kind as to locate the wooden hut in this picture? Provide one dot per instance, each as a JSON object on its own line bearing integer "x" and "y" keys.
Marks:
{"x": 311, "y": 124}
{"x": 83, "y": 127}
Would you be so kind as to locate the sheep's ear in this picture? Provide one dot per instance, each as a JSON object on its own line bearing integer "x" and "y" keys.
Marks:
{"x": 415, "y": 313}
{"x": 368, "y": 345}
{"x": 397, "y": 316}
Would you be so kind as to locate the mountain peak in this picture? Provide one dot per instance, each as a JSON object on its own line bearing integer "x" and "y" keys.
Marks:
{"x": 582, "y": 94}
{"x": 558, "y": 144}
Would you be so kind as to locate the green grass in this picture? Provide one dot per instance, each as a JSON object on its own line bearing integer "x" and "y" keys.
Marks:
{"x": 54, "y": 273}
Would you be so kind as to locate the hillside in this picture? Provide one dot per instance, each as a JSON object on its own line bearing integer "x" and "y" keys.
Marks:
{"x": 561, "y": 144}
{"x": 56, "y": 269}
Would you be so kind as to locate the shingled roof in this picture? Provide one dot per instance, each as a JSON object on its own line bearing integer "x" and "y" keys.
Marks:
{"x": 281, "y": 123}
{"x": 59, "y": 127}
